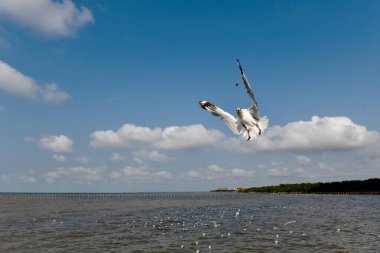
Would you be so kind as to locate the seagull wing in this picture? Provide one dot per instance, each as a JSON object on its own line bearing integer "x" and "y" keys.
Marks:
{"x": 227, "y": 118}
{"x": 254, "y": 110}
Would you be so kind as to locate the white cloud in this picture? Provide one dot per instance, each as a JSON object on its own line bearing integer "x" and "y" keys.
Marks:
{"x": 50, "y": 94}
{"x": 29, "y": 179}
{"x": 82, "y": 159}
{"x": 162, "y": 175}
{"x": 4, "y": 177}
{"x": 51, "y": 176}
{"x": 59, "y": 158}
{"x": 174, "y": 137}
{"x": 15, "y": 83}
{"x": 193, "y": 174}
{"x": 185, "y": 137}
{"x": 325, "y": 168}
{"x": 326, "y": 133}
{"x": 153, "y": 156}
{"x": 242, "y": 173}
{"x": 25, "y": 177}
{"x": 47, "y": 17}
{"x": 126, "y": 136}
{"x": 78, "y": 174}
{"x": 140, "y": 174}
{"x": 116, "y": 175}
{"x": 279, "y": 172}
{"x": 302, "y": 160}
{"x": 216, "y": 172}
{"x": 372, "y": 152}
{"x": 215, "y": 168}
{"x": 116, "y": 157}
{"x": 56, "y": 143}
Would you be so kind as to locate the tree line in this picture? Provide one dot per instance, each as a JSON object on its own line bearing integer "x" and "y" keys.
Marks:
{"x": 371, "y": 185}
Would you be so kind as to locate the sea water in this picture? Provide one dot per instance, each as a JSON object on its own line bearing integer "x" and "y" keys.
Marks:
{"x": 189, "y": 222}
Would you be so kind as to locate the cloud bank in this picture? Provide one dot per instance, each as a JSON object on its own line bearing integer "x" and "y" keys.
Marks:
{"x": 216, "y": 172}
{"x": 78, "y": 174}
{"x": 47, "y": 17}
{"x": 56, "y": 143}
{"x": 320, "y": 133}
{"x": 140, "y": 174}
{"x": 173, "y": 137}
{"x": 15, "y": 83}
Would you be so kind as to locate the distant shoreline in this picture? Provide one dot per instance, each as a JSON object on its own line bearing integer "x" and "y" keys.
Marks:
{"x": 354, "y": 187}
{"x": 304, "y": 193}
{"x": 319, "y": 193}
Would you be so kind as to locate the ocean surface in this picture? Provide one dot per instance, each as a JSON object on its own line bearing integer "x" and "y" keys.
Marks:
{"x": 189, "y": 222}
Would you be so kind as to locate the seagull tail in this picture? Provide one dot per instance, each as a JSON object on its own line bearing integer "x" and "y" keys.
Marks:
{"x": 263, "y": 123}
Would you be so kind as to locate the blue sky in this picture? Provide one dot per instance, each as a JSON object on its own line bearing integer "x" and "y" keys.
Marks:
{"x": 102, "y": 96}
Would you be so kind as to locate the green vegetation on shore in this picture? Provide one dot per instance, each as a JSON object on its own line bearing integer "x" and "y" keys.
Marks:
{"x": 355, "y": 186}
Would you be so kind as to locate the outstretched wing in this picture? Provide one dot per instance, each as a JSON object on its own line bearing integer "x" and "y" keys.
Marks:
{"x": 254, "y": 110}
{"x": 227, "y": 118}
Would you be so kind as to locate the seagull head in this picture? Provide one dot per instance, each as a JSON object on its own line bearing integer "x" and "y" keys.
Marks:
{"x": 238, "y": 111}
{"x": 203, "y": 104}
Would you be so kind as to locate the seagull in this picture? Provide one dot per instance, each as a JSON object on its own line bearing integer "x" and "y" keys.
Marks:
{"x": 248, "y": 123}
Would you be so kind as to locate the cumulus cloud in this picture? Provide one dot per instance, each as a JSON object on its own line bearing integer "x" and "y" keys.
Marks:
{"x": 15, "y": 83}
{"x": 325, "y": 168}
{"x": 29, "y": 179}
{"x": 372, "y": 152}
{"x": 59, "y": 158}
{"x": 185, "y": 137}
{"x": 242, "y": 173}
{"x": 320, "y": 133}
{"x": 126, "y": 136}
{"x": 51, "y": 94}
{"x": 216, "y": 172}
{"x": 173, "y": 137}
{"x": 82, "y": 159}
{"x": 56, "y": 143}
{"x": 302, "y": 160}
{"x": 141, "y": 174}
{"x": 116, "y": 157}
{"x": 153, "y": 156}
{"x": 279, "y": 172}
{"x": 25, "y": 177}
{"x": 47, "y": 17}
{"x": 78, "y": 174}
{"x": 216, "y": 169}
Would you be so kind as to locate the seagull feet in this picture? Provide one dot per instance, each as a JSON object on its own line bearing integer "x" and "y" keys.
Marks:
{"x": 249, "y": 136}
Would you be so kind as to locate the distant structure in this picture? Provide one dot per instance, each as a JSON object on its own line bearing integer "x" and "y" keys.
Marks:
{"x": 225, "y": 189}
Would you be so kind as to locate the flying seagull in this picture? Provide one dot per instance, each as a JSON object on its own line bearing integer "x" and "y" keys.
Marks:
{"x": 248, "y": 123}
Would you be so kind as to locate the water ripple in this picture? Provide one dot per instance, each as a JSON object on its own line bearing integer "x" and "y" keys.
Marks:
{"x": 190, "y": 223}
